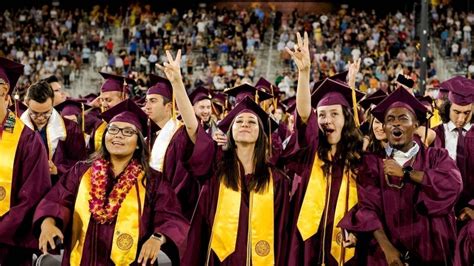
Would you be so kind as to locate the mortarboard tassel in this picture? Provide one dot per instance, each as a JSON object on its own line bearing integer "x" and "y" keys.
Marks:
{"x": 354, "y": 106}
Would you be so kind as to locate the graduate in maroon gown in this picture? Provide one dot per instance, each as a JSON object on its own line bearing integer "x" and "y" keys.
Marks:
{"x": 114, "y": 209}
{"x": 465, "y": 244}
{"x": 24, "y": 175}
{"x": 113, "y": 91}
{"x": 244, "y": 202}
{"x": 201, "y": 98}
{"x": 62, "y": 138}
{"x": 457, "y": 119}
{"x": 406, "y": 196}
{"x": 326, "y": 151}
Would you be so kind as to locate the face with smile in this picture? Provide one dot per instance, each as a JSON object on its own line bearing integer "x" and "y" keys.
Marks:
{"x": 202, "y": 109}
{"x": 121, "y": 139}
{"x": 400, "y": 125}
{"x": 331, "y": 122}
{"x": 377, "y": 128}
{"x": 245, "y": 128}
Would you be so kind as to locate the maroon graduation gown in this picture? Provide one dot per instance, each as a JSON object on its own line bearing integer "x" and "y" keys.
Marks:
{"x": 468, "y": 179}
{"x": 201, "y": 166}
{"x": 69, "y": 151}
{"x": 300, "y": 156}
{"x": 161, "y": 214}
{"x": 186, "y": 188}
{"x": 30, "y": 181}
{"x": 419, "y": 218}
{"x": 465, "y": 246}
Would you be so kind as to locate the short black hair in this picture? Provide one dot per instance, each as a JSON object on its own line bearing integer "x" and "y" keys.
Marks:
{"x": 51, "y": 79}
{"x": 40, "y": 92}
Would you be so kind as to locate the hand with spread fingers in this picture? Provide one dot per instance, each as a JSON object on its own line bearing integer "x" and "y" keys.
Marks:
{"x": 172, "y": 68}
{"x": 300, "y": 53}
{"x": 49, "y": 231}
{"x": 149, "y": 251}
{"x": 353, "y": 70}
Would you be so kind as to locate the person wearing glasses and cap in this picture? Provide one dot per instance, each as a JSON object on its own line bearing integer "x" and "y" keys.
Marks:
{"x": 113, "y": 91}
{"x": 244, "y": 201}
{"x": 325, "y": 154}
{"x": 62, "y": 138}
{"x": 24, "y": 175}
{"x": 407, "y": 195}
{"x": 114, "y": 209}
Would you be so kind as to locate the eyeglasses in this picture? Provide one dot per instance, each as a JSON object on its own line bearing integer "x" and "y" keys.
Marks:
{"x": 127, "y": 132}
{"x": 45, "y": 115}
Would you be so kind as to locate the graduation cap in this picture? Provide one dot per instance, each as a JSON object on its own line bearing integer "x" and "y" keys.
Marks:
{"x": 401, "y": 97}
{"x": 290, "y": 104}
{"x": 426, "y": 100}
{"x": 342, "y": 77}
{"x": 90, "y": 97}
{"x": 115, "y": 82}
{"x": 461, "y": 90}
{"x": 161, "y": 86}
{"x": 128, "y": 111}
{"x": 373, "y": 99}
{"x": 10, "y": 72}
{"x": 247, "y": 105}
{"x": 219, "y": 102}
{"x": 408, "y": 82}
{"x": 199, "y": 94}
{"x": 73, "y": 107}
{"x": 246, "y": 90}
{"x": 334, "y": 92}
{"x": 265, "y": 85}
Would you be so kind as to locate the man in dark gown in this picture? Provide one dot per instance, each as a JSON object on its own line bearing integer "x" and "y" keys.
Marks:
{"x": 406, "y": 198}
{"x": 24, "y": 176}
{"x": 62, "y": 138}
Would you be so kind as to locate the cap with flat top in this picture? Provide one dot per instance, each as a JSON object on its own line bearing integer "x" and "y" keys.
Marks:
{"x": 10, "y": 72}
{"x": 401, "y": 98}
{"x": 461, "y": 90}
{"x": 247, "y": 105}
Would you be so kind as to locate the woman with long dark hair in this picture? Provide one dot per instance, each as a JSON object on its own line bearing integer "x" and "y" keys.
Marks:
{"x": 376, "y": 140}
{"x": 113, "y": 209}
{"x": 326, "y": 156}
{"x": 244, "y": 201}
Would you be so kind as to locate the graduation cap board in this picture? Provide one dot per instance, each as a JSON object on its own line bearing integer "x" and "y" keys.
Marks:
{"x": 246, "y": 90}
{"x": 10, "y": 72}
{"x": 373, "y": 99}
{"x": 115, "y": 82}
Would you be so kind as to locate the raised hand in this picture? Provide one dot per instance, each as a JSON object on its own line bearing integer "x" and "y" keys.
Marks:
{"x": 353, "y": 70}
{"x": 300, "y": 53}
{"x": 172, "y": 68}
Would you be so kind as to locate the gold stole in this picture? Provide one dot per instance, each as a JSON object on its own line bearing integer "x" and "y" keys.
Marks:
{"x": 8, "y": 146}
{"x": 313, "y": 207}
{"x": 98, "y": 135}
{"x": 435, "y": 120}
{"x": 127, "y": 226}
{"x": 261, "y": 225}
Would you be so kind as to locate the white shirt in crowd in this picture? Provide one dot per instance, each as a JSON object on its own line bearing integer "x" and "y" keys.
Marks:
{"x": 451, "y": 137}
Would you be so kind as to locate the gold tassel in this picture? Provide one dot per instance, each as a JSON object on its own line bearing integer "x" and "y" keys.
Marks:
{"x": 83, "y": 125}
{"x": 354, "y": 106}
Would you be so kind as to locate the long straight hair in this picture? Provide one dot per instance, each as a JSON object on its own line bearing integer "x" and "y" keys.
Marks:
{"x": 375, "y": 145}
{"x": 349, "y": 148}
{"x": 228, "y": 169}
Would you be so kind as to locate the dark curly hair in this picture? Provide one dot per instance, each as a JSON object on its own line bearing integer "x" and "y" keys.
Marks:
{"x": 349, "y": 148}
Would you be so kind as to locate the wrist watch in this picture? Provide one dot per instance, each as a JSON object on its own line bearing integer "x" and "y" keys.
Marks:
{"x": 159, "y": 237}
{"x": 406, "y": 172}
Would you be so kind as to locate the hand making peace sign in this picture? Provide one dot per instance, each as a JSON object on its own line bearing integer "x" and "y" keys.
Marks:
{"x": 172, "y": 68}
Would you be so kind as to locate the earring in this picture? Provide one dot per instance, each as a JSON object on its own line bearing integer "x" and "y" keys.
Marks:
{"x": 137, "y": 148}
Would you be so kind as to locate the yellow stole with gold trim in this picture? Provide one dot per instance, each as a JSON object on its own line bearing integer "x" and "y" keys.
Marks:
{"x": 98, "y": 135}
{"x": 316, "y": 201}
{"x": 127, "y": 226}
{"x": 260, "y": 242}
{"x": 8, "y": 146}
